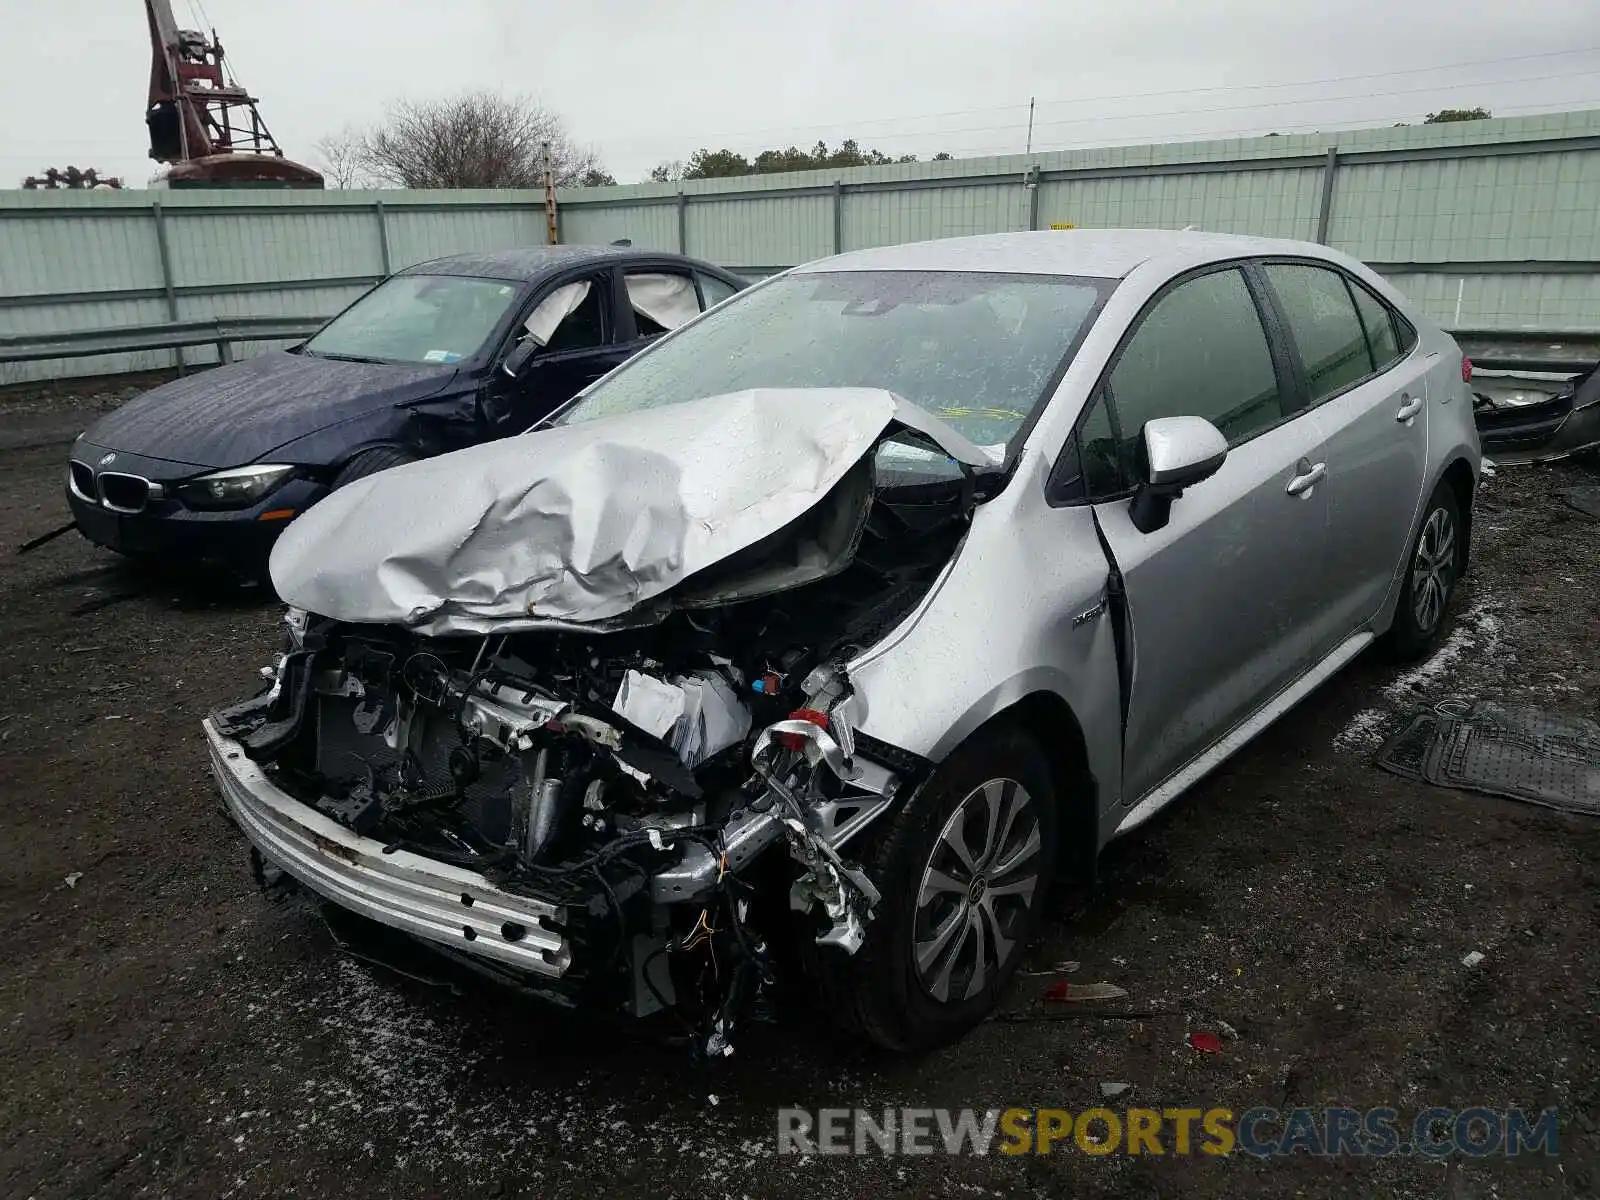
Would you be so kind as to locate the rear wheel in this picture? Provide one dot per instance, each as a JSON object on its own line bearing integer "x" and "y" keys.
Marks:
{"x": 370, "y": 462}
{"x": 1435, "y": 565}
{"x": 963, "y": 870}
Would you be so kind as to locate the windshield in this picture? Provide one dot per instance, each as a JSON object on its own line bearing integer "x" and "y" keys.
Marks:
{"x": 417, "y": 319}
{"x": 977, "y": 349}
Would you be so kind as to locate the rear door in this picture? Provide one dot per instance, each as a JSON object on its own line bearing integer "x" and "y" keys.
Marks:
{"x": 656, "y": 299}
{"x": 1367, "y": 382}
{"x": 1221, "y": 600}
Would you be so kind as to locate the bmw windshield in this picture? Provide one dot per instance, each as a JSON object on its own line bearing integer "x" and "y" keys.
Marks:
{"x": 417, "y": 319}
{"x": 979, "y": 350}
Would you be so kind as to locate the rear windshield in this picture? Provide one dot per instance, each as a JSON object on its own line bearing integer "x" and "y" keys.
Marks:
{"x": 977, "y": 349}
{"x": 417, "y": 319}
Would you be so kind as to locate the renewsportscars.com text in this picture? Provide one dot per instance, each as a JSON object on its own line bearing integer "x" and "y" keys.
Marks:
{"x": 1261, "y": 1132}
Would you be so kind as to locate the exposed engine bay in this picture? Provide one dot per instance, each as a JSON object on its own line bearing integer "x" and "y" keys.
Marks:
{"x": 677, "y": 789}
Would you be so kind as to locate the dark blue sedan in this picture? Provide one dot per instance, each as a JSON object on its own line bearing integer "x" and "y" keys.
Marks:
{"x": 443, "y": 355}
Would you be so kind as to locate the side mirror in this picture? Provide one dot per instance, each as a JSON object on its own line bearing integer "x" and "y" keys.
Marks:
{"x": 521, "y": 357}
{"x": 1178, "y": 453}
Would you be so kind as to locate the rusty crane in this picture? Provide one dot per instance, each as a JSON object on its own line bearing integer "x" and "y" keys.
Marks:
{"x": 202, "y": 122}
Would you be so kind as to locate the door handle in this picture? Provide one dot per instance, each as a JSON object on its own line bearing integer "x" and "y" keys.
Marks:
{"x": 1307, "y": 476}
{"x": 1410, "y": 406}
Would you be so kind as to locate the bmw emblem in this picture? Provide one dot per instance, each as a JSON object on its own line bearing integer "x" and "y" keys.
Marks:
{"x": 108, "y": 460}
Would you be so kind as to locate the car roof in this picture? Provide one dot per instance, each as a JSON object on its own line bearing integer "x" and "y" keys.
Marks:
{"x": 1097, "y": 253}
{"x": 533, "y": 262}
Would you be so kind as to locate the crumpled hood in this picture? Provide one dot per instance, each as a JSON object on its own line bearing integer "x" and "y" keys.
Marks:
{"x": 583, "y": 522}
{"x": 234, "y": 414}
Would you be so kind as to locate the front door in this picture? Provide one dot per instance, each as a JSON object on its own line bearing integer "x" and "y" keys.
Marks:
{"x": 572, "y": 332}
{"x": 1220, "y": 600}
{"x": 1370, "y": 396}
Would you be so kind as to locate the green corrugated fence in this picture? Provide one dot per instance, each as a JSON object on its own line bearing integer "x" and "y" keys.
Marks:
{"x": 1487, "y": 224}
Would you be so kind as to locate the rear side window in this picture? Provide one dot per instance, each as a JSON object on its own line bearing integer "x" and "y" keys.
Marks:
{"x": 661, "y": 300}
{"x": 1380, "y": 325}
{"x": 1201, "y": 351}
{"x": 713, "y": 289}
{"x": 1408, "y": 335}
{"x": 1323, "y": 323}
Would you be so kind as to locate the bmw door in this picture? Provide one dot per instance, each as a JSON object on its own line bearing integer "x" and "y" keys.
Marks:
{"x": 655, "y": 300}
{"x": 566, "y": 340}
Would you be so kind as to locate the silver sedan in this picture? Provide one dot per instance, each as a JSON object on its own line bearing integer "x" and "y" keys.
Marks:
{"x": 901, "y": 583}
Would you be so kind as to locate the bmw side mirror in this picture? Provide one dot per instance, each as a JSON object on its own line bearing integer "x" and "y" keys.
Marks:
{"x": 1178, "y": 453}
{"x": 521, "y": 357}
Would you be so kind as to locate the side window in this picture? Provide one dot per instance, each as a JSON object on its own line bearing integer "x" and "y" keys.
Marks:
{"x": 714, "y": 290}
{"x": 1201, "y": 352}
{"x": 1380, "y": 326}
{"x": 1408, "y": 335}
{"x": 1322, "y": 320}
{"x": 661, "y": 300}
{"x": 569, "y": 318}
{"x": 1088, "y": 468}
{"x": 1097, "y": 449}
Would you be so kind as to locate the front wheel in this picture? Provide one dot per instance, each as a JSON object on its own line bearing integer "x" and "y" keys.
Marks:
{"x": 1434, "y": 566}
{"x": 963, "y": 870}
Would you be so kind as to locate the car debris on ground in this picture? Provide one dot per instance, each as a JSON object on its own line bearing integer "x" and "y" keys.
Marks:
{"x": 1076, "y": 993}
{"x": 1517, "y": 751}
{"x": 1526, "y": 417}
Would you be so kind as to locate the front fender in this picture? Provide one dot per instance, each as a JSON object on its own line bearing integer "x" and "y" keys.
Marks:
{"x": 426, "y": 428}
{"x": 1014, "y": 616}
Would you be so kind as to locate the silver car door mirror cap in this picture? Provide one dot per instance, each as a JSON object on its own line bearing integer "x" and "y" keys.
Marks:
{"x": 1182, "y": 451}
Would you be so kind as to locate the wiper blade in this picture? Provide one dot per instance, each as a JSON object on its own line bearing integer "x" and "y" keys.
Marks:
{"x": 355, "y": 358}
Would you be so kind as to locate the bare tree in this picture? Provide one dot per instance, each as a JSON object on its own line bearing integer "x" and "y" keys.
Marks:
{"x": 340, "y": 155}
{"x": 479, "y": 139}
{"x": 666, "y": 172}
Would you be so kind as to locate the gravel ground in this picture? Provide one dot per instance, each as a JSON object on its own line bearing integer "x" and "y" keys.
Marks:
{"x": 169, "y": 1032}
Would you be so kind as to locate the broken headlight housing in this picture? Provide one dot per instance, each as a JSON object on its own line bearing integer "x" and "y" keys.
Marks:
{"x": 237, "y": 487}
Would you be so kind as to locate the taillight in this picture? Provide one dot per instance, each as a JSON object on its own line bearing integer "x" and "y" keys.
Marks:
{"x": 1466, "y": 369}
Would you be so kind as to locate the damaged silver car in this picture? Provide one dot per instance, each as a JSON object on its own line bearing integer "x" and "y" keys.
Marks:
{"x": 871, "y": 602}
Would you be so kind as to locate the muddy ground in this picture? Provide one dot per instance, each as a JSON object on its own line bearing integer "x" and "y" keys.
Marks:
{"x": 168, "y": 1032}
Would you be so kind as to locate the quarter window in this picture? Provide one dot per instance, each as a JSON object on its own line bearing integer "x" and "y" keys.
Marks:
{"x": 713, "y": 289}
{"x": 1322, "y": 320}
{"x": 1201, "y": 351}
{"x": 1097, "y": 450}
{"x": 1379, "y": 323}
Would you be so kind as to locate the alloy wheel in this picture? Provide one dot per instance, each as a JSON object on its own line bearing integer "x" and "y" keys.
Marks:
{"x": 1433, "y": 570}
{"x": 976, "y": 890}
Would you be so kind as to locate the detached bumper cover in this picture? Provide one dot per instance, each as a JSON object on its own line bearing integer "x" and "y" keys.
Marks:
{"x": 1516, "y": 434}
{"x": 430, "y": 900}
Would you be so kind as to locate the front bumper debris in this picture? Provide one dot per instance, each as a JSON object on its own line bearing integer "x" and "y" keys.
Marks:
{"x": 431, "y": 900}
{"x": 1543, "y": 420}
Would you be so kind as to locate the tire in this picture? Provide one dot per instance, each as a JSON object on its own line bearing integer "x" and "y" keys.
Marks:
{"x": 879, "y": 993}
{"x": 1434, "y": 565}
{"x": 370, "y": 462}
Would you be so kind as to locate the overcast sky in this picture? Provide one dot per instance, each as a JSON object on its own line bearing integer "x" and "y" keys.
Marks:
{"x": 644, "y": 82}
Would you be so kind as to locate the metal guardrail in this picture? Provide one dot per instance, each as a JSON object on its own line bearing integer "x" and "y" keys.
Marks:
{"x": 1491, "y": 349}
{"x": 221, "y": 332}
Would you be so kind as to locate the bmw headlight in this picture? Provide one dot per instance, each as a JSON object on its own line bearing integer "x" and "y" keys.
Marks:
{"x": 237, "y": 487}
